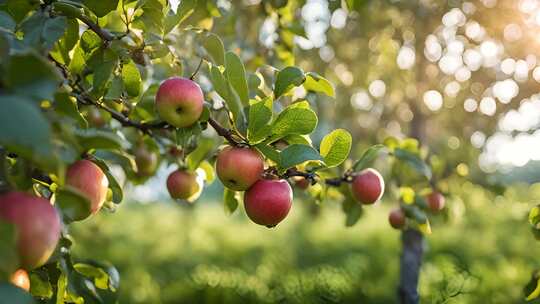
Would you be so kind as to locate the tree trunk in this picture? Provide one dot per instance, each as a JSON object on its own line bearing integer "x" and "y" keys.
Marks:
{"x": 410, "y": 261}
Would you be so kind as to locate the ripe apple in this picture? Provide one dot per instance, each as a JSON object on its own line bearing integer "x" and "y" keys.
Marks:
{"x": 146, "y": 161}
{"x": 20, "y": 279}
{"x": 182, "y": 184}
{"x": 268, "y": 201}
{"x": 239, "y": 168}
{"x": 88, "y": 178}
{"x": 435, "y": 201}
{"x": 397, "y": 218}
{"x": 37, "y": 225}
{"x": 179, "y": 101}
{"x": 367, "y": 186}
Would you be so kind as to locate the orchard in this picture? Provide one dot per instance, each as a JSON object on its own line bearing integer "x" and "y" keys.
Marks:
{"x": 125, "y": 124}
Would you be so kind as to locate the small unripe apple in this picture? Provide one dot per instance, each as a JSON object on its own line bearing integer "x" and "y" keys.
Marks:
{"x": 37, "y": 226}
{"x": 146, "y": 161}
{"x": 396, "y": 218}
{"x": 367, "y": 186}
{"x": 239, "y": 168}
{"x": 90, "y": 180}
{"x": 179, "y": 101}
{"x": 20, "y": 279}
{"x": 301, "y": 182}
{"x": 435, "y": 201}
{"x": 268, "y": 202}
{"x": 95, "y": 117}
{"x": 182, "y": 184}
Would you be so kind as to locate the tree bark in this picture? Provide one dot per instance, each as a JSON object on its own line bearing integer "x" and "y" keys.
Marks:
{"x": 410, "y": 261}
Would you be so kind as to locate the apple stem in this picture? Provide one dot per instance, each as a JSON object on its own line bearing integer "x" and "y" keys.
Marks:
{"x": 197, "y": 69}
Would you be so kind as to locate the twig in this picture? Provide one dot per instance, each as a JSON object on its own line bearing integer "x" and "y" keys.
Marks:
{"x": 103, "y": 34}
{"x": 224, "y": 132}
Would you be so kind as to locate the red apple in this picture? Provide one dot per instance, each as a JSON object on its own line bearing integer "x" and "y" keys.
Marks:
{"x": 367, "y": 186}
{"x": 37, "y": 225}
{"x": 90, "y": 180}
{"x": 146, "y": 161}
{"x": 182, "y": 184}
{"x": 396, "y": 218}
{"x": 179, "y": 101}
{"x": 435, "y": 201}
{"x": 20, "y": 279}
{"x": 268, "y": 202}
{"x": 239, "y": 168}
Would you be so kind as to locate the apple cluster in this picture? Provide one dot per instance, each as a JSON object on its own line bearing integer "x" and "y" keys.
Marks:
{"x": 435, "y": 202}
{"x": 37, "y": 223}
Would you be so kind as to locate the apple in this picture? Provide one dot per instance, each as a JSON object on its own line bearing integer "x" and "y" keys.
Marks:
{"x": 182, "y": 184}
{"x": 367, "y": 186}
{"x": 268, "y": 201}
{"x": 90, "y": 180}
{"x": 20, "y": 279}
{"x": 435, "y": 201}
{"x": 396, "y": 218}
{"x": 146, "y": 161}
{"x": 239, "y": 168}
{"x": 301, "y": 182}
{"x": 37, "y": 225}
{"x": 179, "y": 101}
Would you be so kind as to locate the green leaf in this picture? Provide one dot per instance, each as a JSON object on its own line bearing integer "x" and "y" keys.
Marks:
{"x": 67, "y": 42}
{"x": 230, "y": 200}
{"x": 204, "y": 147}
{"x": 115, "y": 89}
{"x": 117, "y": 192}
{"x": 41, "y": 31}
{"x": 11, "y": 294}
{"x": 296, "y": 154}
{"x": 73, "y": 204}
{"x": 132, "y": 79}
{"x": 208, "y": 171}
{"x": 369, "y": 155}
{"x": 184, "y": 10}
{"x": 260, "y": 115}
{"x": 103, "y": 73}
{"x": 98, "y": 139}
{"x": 335, "y": 147}
{"x": 67, "y": 106}
{"x": 6, "y": 22}
{"x": 19, "y": 9}
{"x": 40, "y": 84}
{"x": 297, "y": 118}
{"x": 287, "y": 79}
{"x": 224, "y": 89}
{"x": 99, "y": 276}
{"x": 236, "y": 75}
{"x": 8, "y": 249}
{"x": 269, "y": 152}
{"x": 532, "y": 289}
{"x": 534, "y": 216}
{"x": 214, "y": 47}
{"x": 40, "y": 287}
{"x": 101, "y": 7}
{"x": 24, "y": 130}
{"x": 152, "y": 18}
{"x": 415, "y": 161}
{"x": 317, "y": 83}
{"x": 352, "y": 209}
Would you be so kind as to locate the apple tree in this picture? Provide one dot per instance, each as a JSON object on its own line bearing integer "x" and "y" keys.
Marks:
{"x": 98, "y": 94}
